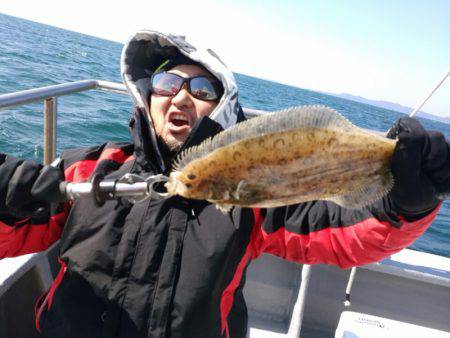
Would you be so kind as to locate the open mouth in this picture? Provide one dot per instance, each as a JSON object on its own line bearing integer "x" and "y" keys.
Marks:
{"x": 179, "y": 120}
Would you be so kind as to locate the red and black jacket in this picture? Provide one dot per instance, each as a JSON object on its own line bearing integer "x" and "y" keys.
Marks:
{"x": 176, "y": 267}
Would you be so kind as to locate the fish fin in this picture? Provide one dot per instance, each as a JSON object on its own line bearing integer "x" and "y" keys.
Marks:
{"x": 240, "y": 188}
{"x": 225, "y": 208}
{"x": 315, "y": 116}
{"x": 363, "y": 197}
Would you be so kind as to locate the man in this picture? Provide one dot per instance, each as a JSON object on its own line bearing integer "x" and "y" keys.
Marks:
{"x": 175, "y": 267}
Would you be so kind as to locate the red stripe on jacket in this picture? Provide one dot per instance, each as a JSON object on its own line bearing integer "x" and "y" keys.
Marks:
{"x": 227, "y": 298}
{"x": 49, "y": 297}
{"x": 23, "y": 239}
{"x": 362, "y": 243}
{"x": 81, "y": 170}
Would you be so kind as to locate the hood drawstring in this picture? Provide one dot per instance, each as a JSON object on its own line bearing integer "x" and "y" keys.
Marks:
{"x": 146, "y": 150}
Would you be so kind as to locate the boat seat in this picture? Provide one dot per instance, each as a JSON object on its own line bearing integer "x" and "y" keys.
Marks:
{"x": 361, "y": 325}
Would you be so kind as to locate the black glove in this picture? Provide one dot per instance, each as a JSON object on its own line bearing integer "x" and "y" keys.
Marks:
{"x": 26, "y": 187}
{"x": 420, "y": 167}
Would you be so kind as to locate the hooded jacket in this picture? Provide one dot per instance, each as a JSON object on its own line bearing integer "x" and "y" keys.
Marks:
{"x": 176, "y": 267}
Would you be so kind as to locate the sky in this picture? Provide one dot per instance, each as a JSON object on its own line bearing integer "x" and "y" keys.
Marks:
{"x": 394, "y": 50}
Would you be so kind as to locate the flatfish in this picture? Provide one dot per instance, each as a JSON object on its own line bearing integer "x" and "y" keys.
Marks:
{"x": 291, "y": 156}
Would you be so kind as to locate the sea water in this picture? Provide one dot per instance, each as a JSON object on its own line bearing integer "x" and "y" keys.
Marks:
{"x": 35, "y": 55}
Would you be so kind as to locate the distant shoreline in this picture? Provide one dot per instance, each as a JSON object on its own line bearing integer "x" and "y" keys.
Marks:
{"x": 391, "y": 106}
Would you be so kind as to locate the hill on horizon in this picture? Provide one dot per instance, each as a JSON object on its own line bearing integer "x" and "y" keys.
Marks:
{"x": 391, "y": 106}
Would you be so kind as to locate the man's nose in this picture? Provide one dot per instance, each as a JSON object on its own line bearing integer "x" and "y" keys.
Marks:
{"x": 183, "y": 96}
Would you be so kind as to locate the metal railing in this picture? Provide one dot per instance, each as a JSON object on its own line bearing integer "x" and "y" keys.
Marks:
{"x": 49, "y": 95}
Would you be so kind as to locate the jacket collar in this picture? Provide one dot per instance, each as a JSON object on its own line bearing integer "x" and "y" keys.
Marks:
{"x": 146, "y": 150}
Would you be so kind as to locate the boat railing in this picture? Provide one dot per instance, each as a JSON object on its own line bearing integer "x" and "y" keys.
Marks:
{"x": 49, "y": 95}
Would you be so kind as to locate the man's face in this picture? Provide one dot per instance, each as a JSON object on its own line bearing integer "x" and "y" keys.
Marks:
{"x": 174, "y": 116}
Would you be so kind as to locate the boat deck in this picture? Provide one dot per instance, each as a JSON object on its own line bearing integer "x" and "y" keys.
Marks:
{"x": 410, "y": 287}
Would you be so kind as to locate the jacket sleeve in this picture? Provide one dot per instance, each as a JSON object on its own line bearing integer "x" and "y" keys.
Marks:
{"x": 22, "y": 236}
{"x": 31, "y": 235}
{"x": 323, "y": 232}
{"x": 19, "y": 236}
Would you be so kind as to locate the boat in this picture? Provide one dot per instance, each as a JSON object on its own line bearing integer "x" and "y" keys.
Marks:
{"x": 405, "y": 295}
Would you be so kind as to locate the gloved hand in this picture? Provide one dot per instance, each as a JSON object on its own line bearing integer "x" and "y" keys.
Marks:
{"x": 420, "y": 167}
{"x": 26, "y": 187}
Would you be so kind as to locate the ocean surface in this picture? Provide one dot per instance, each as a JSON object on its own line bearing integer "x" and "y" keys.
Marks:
{"x": 35, "y": 55}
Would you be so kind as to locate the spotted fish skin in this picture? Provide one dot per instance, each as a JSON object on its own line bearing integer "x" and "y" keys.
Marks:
{"x": 292, "y": 156}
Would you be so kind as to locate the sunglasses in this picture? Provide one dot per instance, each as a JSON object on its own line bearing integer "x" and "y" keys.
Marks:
{"x": 200, "y": 87}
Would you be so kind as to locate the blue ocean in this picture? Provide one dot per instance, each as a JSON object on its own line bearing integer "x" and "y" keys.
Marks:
{"x": 35, "y": 55}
